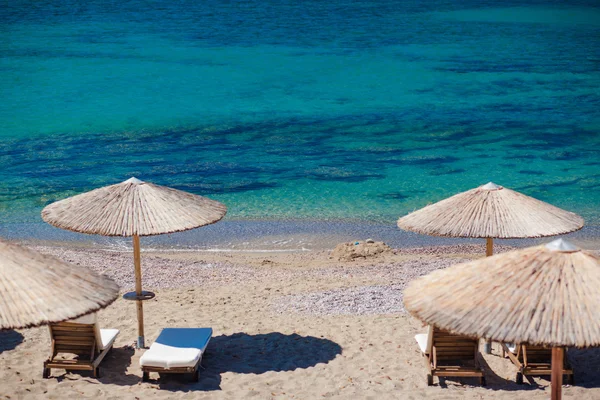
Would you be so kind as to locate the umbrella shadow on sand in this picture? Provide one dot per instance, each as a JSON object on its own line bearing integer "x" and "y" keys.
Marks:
{"x": 254, "y": 354}
{"x": 586, "y": 366}
{"x": 9, "y": 339}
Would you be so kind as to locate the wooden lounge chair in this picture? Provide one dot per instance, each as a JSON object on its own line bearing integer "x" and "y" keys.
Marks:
{"x": 450, "y": 355}
{"x": 80, "y": 337}
{"x": 535, "y": 361}
{"x": 176, "y": 351}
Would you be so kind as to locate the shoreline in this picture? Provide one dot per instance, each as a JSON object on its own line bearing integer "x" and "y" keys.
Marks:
{"x": 268, "y": 236}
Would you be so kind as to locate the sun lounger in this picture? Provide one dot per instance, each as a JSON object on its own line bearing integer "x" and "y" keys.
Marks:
{"x": 535, "y": 361}
{"x": 449, "y": 355}
{"x": 83, "y": 338}
{"x": 509, "y": 348}
{"x": 176, "y": 351}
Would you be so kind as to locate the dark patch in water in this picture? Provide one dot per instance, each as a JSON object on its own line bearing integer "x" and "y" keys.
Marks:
{"x": 424, "y": 91}
{"x": 393, "y": 196}
{"x": 549, "y": 186}
{"x": 513, "y": 83}
{"x": 429, "y": 161}
{"x": 199, "y": 188}
{"x": 561, "y": 156}
{"x": 469, "y": 66}
{"x": 541, "y": 146}
{"x": 520, "y": 156}
{"x": 388, "y": 152}
{"x": 441, "y": 172}
{"x": 343, "y": 100}
{"x": 342, "y": 177}
{"x": 512, "y": 108}
{"x": 591, "y": 186}
{"x": 531, "y": 172}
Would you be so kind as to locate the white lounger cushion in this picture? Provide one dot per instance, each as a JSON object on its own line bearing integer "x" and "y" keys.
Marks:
{"x": 425, "y": 340}
{"x": 104, "y": 337}
{"x": 108, "y": 337}
{"x": 177, "y": 347}
{"x": 421, "y": 339}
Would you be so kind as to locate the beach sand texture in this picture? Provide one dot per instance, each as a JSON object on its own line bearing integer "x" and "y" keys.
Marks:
{"x": 286, "y": 325}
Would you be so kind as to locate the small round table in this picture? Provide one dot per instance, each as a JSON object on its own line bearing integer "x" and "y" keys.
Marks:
{"x": 146, "y": 295}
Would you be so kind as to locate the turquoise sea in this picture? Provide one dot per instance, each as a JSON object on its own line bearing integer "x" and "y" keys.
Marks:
{"x": 342, "y": 111}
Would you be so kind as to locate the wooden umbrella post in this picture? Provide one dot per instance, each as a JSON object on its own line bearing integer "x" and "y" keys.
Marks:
{"x": 489, "y": 250}
{"x": 138, "y": 290}
{"x": 557, "y": 372}
{"x": 489, "y": 247}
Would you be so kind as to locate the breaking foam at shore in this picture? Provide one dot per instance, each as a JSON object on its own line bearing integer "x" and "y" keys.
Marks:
{"x": 269, "y": 236}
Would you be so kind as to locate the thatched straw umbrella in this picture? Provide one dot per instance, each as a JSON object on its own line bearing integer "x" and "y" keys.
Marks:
{"x": 491, "y": 211}
{"x": 36, "y": 289}
{"x": 134, "y": 208}
{"x": 542, "y": 295}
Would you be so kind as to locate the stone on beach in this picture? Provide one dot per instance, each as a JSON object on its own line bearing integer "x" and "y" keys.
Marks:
{"x": 359, "y": 249}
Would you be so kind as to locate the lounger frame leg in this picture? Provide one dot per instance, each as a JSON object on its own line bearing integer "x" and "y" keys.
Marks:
{"x": 429, "y": 380}
{"x": 519, "y": 378}
{"x": 487, "y": 347}
{"x": 145, "y": 376}
{"x": 428, "y": 364}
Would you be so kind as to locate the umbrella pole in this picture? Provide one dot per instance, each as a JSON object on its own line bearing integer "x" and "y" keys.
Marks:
{"x": 489, "y": 250}
{"x": 138, "y": 290}
{"x": 489, "y": 247}
{"x": 557, "y": 373}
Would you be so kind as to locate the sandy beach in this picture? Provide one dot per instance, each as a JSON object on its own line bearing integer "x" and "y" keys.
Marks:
{"x": 286, "y": 325}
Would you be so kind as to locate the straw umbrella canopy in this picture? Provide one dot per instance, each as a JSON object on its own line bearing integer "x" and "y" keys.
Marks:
{"x": 491, "y": 211}
{"x": 134, "y": 208}
{"x": 542, "y": 295}
{"x": 37, "y": 289}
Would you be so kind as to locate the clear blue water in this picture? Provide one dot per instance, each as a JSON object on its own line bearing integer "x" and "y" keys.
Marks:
{"x": 339, "y": 110}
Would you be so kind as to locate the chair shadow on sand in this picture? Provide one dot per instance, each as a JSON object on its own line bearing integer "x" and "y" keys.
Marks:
{"x": 586, "y": 367}
{"x": 585, "y": 363}
{"x": 113, "y": 369}
{"x": 254, "y": 354}
{"x": 494, "y": 381}
{"x": 9, "y": 340}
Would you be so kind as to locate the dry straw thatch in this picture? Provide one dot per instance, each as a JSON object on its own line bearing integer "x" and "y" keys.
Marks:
{"x": 491, "y": 211}
{"x": 36, "y": 289}
{"x": 132, "y": 208}
{"x": 544, "y": 295}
